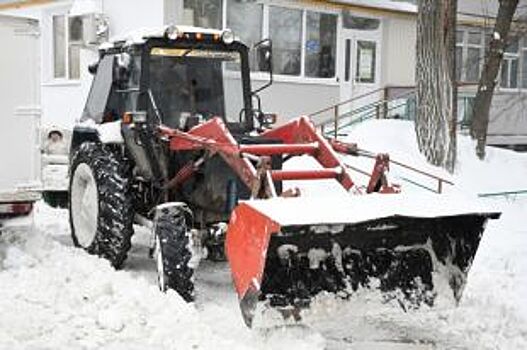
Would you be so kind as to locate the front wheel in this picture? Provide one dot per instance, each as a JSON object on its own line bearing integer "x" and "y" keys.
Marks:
{"x": 101, "y": 210}
{"x": 173, "y": 250}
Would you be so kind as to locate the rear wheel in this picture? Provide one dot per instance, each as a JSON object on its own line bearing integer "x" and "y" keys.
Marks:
{"x": 101, "y": 211}
{"x": 173, "y": 252}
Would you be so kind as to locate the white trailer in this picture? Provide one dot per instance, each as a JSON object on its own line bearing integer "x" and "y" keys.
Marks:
{"x": 20, "y": 112}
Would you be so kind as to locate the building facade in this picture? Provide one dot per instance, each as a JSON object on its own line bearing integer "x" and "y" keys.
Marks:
{"x": 325, "y": 52}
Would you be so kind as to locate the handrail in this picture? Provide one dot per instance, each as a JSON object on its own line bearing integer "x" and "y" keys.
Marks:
{"x": 504, "y": 193}
{"x": 362, "y": 117}
{"x": 371, "y": 92}
{"x": 439, "y": 179}
{"x": 367, "y": 107}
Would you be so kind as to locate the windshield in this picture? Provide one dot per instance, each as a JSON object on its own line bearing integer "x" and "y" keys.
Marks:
{"x": 190, "y": 85}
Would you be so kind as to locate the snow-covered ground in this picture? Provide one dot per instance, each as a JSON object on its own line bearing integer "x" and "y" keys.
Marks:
{"x": 53, "y": 296}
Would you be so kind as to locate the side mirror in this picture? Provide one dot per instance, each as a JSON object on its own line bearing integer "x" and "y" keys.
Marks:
{"x": 92, "y": 68}
{"x": 264, "y": 60}
{"x": 264, "y": 56}
{"x": 122, "y": 65}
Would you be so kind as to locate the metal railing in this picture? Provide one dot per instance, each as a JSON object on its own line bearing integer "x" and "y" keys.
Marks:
{"x": 398, "y": 106}
{"x": 378, "y": 109}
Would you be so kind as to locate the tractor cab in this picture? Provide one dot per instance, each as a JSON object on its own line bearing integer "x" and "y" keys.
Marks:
{"x": 181, "y": 77}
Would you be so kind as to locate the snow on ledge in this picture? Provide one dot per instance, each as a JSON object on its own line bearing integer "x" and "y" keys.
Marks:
{"x": 382, "y": 4}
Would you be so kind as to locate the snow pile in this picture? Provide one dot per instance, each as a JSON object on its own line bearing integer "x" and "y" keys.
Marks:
{"x": 493, "y": 310}
{"x": 54, "y": 296}
{"x": 502, "y": 170}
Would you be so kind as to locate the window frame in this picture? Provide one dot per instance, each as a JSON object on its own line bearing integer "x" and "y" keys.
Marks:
{"x": 523, "y": 58}
{"x": 510, "y": 57}
{"x": 464, "y": 44}
{"x": 518, "y": 56}
{"x": 66, "y": 78}
{"x": 301, "y": 78}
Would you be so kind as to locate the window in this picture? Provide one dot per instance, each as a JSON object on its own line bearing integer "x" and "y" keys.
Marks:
{"x": 245, "y": 19}
{"x": 203, "y": 13}
{"x": 67, "y": 42}
{"x": 524, "y": 63}
{"x": 347, "y": 60}
{"x": 285, "y": 29}
{"x": 469, "y": 54}
{"x": 459, "y": 54}
{"x": 509, "y": 66}
{"x": 304, "y": 42}
{"x": 350, "y": 21}
{"x": 366, "y": 52}
{"x": 320, "y": 46}
{"x": 59, "y": 47}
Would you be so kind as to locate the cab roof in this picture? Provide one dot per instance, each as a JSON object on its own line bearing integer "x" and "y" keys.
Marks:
{"x": 141, "y": 36}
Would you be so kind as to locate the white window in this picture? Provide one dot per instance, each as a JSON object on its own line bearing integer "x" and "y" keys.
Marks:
{"x": 524, "y": 63}
{"x": 469, "y": 54}
{"x": 321, "y": 45}
{"x": 509, "y": 65}
{"x": 67, "y": 41}
{"x": 474, "y": 55}
{"x": 245, "y": 18}
{"x": 285, "y": 29}
{"x": 304, "y": 42}
{"x": 350, "y": 21}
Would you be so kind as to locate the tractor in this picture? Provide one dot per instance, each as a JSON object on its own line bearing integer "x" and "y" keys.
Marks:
{"x": 173, "y": 137}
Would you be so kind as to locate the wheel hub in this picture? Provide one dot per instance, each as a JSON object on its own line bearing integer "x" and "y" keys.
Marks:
{"x": 84, "y": 205}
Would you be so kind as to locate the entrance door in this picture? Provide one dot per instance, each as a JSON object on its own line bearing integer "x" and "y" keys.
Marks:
{"x": 360, "y": 62}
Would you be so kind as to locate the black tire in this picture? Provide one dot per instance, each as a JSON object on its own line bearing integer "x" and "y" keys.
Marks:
{"x": 173, "y": 251}
{"x": 115, "y": 214}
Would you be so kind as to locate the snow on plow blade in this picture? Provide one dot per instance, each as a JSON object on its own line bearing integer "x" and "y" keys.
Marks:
{"x": 287, "y": 250}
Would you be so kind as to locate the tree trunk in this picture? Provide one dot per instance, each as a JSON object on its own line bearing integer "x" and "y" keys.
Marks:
{"x": 487, "y": 82}
{"x": 451, "y": 49}
{"x": 435, "y": 121}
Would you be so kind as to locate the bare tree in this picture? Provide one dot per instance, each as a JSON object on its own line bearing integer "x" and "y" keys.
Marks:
{"x": 487, "y": 82}
{"x": 435, "y": 120}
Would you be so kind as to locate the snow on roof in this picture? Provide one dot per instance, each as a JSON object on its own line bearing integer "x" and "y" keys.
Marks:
{"x": 382, "y": 4}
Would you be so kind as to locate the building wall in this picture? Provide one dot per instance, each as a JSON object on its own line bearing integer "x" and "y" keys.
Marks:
{"x": 398, "y": 61}
{"x": 291, "y": 100}
{"x": 129, "y": 15}
{"x": 508, "y": 119}
{"x": 63, "y": 99}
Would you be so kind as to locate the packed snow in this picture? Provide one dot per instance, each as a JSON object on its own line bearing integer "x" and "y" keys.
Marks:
{"x": 55, "y": 296}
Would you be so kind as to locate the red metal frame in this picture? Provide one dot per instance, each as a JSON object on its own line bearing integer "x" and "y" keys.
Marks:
{"x": 298, "y": 137}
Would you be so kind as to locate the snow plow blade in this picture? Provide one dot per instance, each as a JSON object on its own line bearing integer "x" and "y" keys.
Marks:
{"x": 287, "y": 250}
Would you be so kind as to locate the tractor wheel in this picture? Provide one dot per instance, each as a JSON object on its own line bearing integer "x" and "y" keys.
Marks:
{"x": 173, "y": 252}
{"x": 101, "y": 211}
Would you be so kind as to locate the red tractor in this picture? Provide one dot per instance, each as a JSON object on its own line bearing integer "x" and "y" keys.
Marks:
{"x": 173, "y": 137}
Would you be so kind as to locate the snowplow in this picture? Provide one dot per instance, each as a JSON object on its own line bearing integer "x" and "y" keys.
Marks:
{"x": 173, "y": 137}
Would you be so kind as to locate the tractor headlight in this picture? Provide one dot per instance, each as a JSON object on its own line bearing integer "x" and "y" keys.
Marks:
{"x": 227, "y": 37}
